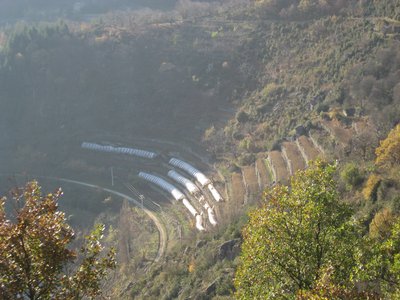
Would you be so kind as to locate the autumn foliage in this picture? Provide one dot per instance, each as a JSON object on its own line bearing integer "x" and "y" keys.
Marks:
{"x": 371, "y": 187}
{"x": 295, "y": 235}
{"x": 34, "y": 253}
{"x": 388, "y": 153}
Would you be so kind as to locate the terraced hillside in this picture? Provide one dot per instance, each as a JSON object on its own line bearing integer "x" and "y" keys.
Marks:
{"x": 250, "y": 181}
{"x": 278, "y": 165}
{"x": 293, "y": 157}
{"x": 308, "y": 150}
{"x": 263, "y": 173}
{"x": 238, "y": 191}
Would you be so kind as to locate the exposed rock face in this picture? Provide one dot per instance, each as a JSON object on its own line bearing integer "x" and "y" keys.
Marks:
{"x": 229, "y": 249}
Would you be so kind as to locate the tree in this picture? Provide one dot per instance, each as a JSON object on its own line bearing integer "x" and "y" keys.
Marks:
{"x": 294, "y": 236}
{"x": 325, "y": 289}
{"x": 379, "y": 260}
{"x": 388, "y": 153}
{"x": 34, "y": 252}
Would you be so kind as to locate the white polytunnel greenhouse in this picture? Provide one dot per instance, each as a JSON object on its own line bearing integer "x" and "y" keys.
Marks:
{"x": 193, "y": 211}
{"x": 217, "y": 196}
{"x": 193, "y": 189}
{"x": 177, "y": 194}
{"x": 122, "y": 150}
{"x": 190, "y": 186}
{"x": 211, "y": 214}
{"x": 190, "y": 208}
{"x": 200, "y": 177}
{"x": 199, "y": 223}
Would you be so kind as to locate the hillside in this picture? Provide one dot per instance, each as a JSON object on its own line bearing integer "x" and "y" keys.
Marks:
{"x": 248, "y": 92}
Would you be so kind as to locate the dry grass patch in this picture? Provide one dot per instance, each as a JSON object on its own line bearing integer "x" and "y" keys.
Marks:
{"x": 262, "y": 172}
{"x": 309, "y": 151}
{"x": 278, "y": 166}
{"x": 294, "y": 156}
{"x": 238, "y": 190}
{"x": 250, "y": 180}
{"x": 337, "y": 131}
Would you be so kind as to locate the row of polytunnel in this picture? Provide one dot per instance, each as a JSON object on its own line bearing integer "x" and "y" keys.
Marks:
{"x": 189, "y": 185}
{"x": 195, "y": 191}
{"x": 199, "y": 176}
{"x": 119, "y": 150}
{"x": 177, "y": 194}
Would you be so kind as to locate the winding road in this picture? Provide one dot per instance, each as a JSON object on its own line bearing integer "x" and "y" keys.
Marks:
{"x": 160, "y": 226}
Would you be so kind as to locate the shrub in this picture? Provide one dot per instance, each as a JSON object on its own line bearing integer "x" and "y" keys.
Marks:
{"x": 351, "y": 175}
{"x": 371, "y": 187}
{"x": 246, "y": 159}
{"x": 272, "y": 89}
{"x": 381, "y": 224}
{"x": 242, "y": 117}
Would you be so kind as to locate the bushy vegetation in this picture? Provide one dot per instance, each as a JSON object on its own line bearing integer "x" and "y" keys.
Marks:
{"x": 243, "y": 76}
{"x": 388, "y": 153}
{"x": 201, "y": 269}
{"x": 351, "y": 175}
{"x": 11, "y": 10}
{"x": 316, "y": 65}
{"x": 303, "y": 243}
{"x": 296, "y": 236}
{"x": 35, "y": 254}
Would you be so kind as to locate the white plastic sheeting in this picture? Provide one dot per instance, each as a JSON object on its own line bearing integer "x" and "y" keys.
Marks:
{"x": 177, "y": 194}
{"x": 199, "y": 223}
{"x": 190, "y": 186}
{"x": 119, "y": 150}
{"x": 193, "y": 189}
{"x": 211, "y": 215}
{"x": 200, "y": 177}
{"x": 190, "y": 208}
{"x": 215, "y": 193}
{"x": 193, "y": 211}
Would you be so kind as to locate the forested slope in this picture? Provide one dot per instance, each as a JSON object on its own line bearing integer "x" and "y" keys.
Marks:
{"x": 265, "y": 85}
